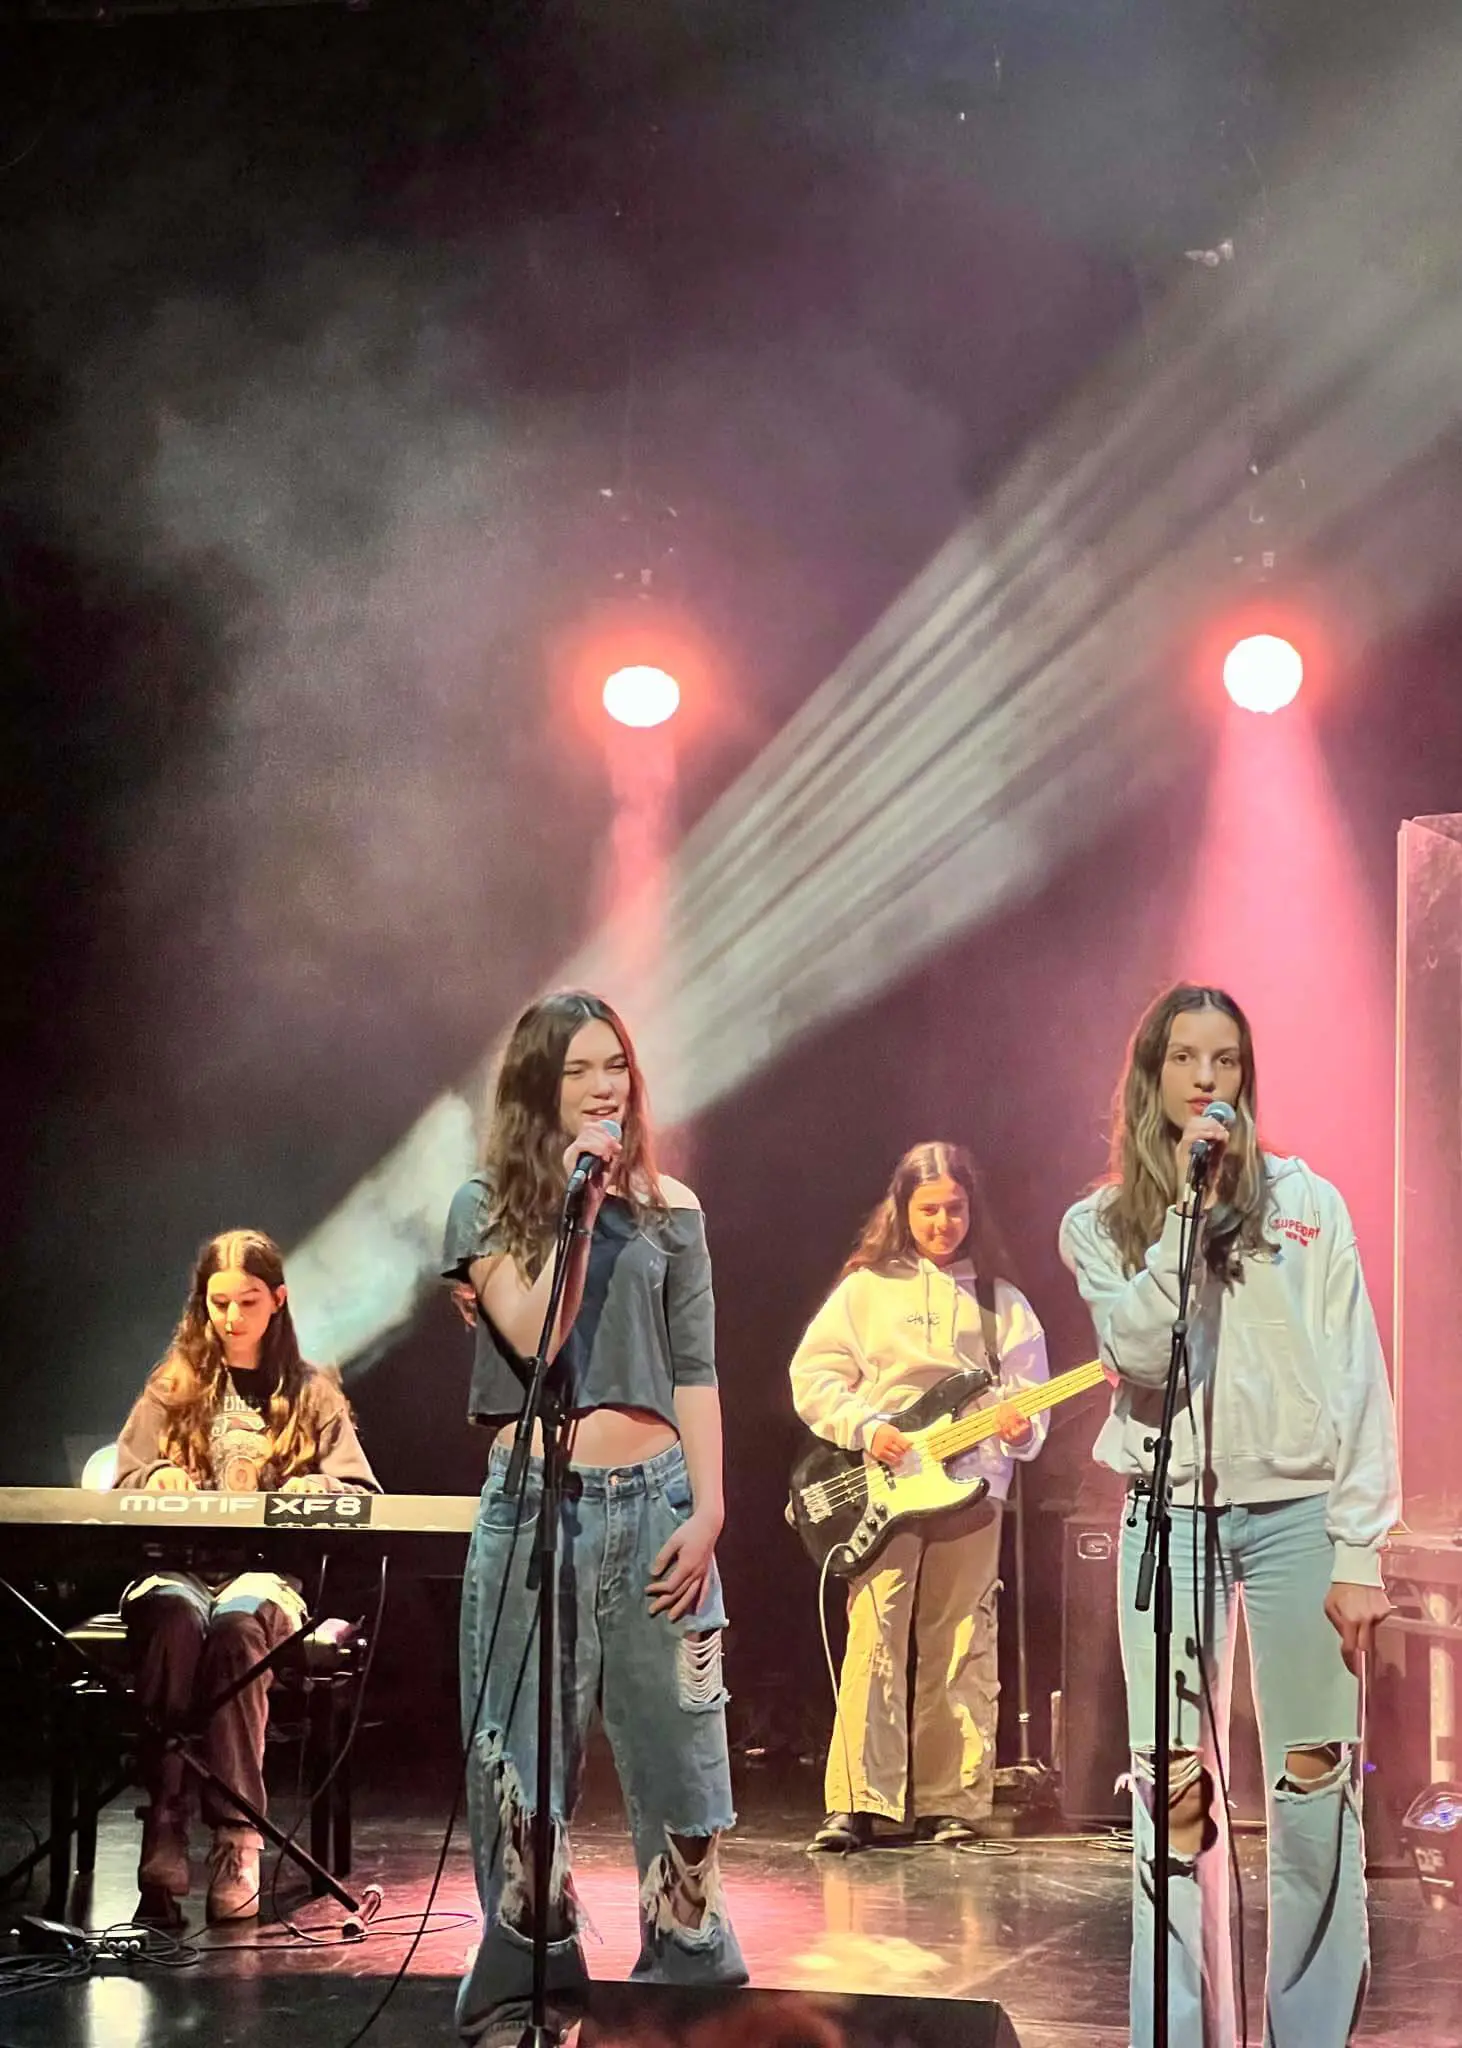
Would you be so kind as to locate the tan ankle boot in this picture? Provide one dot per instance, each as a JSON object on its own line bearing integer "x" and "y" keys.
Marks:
{"x": 233, "y": 1875}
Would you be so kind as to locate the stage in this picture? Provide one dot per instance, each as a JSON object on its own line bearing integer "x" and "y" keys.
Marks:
{"x": 1039, "y": 1926}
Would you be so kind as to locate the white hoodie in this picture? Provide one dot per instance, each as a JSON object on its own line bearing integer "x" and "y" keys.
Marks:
{"x": 1289, "y": 1381}
{"x": 885, "y": 1335}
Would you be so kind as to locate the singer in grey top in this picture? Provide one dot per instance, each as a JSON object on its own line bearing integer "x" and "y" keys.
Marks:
{"x": 640, "y": 1597}
{"x": 646, "y": 1324}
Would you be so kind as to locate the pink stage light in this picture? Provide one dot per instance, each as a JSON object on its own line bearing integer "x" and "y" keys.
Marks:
{"x": 641, "y": 696}
{"x": 1263, "y": 672}
{"x": 1282, "y": 911}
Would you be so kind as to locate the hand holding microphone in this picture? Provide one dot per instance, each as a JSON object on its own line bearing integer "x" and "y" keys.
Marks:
{"x": 1202, "y": 1144}
{"x": 592, "y": 1156}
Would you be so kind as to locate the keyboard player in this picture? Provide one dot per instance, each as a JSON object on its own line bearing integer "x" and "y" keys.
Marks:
{"x": 231, "y": 1408}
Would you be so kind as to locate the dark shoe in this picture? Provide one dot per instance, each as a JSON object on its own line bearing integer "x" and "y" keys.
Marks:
{"x": 841, "y": 1834}
{"x": 157, "y": 1907}
{"x": 947, "y": 1830}
{"x": 163, "y": 1865}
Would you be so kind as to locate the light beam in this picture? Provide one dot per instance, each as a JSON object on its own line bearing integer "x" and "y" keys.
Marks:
{"x": 1020, "y": 693}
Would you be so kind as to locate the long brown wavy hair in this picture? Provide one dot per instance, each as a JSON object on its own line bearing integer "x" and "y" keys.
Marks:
{"x": 1143, "y": 1169}
{"x": 525, "y": 1144}
{"x": 192, "y": 1377}
{"x": 886, "y": 1240}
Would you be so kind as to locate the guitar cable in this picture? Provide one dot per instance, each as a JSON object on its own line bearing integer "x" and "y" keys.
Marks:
{"x": 840, "y": 1733}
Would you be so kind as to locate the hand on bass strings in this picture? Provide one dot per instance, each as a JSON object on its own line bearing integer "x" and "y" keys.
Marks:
{"x": 170, "y": 1479}
{"x": 682, "y": 1567}
{"x": 464, "y": 1300}
{"x": 1355, "y": 1613}
{"x": 889, "y": 1445}
{"x": 1012, "y": 1426}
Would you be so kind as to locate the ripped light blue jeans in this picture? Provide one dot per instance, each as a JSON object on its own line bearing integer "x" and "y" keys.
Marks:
{"x": 658, "y": 1686}
{"x": 1277, "y": 1558}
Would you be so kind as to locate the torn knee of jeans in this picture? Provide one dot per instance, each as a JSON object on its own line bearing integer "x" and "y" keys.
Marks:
{"x": 1311, "y": 1767}
{"x": 515, "y": 1841}
{"x": 699, "y": 1683}
{"x": 1192, "y": 1827}
{"x": 681, "y": 1894}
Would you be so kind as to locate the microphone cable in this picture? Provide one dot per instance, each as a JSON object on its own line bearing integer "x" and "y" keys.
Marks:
{"x": 470, "y": 1739}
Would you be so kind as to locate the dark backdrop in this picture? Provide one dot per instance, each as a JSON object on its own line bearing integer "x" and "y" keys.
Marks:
{"x": 326, "y": 335}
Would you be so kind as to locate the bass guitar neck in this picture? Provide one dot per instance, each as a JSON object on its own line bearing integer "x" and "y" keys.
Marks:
{"x": 845, "y": 1505}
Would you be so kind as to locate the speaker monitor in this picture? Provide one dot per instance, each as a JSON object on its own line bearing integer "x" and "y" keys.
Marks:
{"x": 1091, "y": 1749}
{"x": 663, "y": 2016}
{"x": 1091, "y": 1743}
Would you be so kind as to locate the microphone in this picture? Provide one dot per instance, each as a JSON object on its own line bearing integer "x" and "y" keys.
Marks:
{"x": 1206, "y": 1150}
{"x": 588, "y": 1166}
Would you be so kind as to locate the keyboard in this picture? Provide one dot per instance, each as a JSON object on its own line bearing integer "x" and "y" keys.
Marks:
{"x": 389, "y": 1513}
{"x": 54, "y": 1531}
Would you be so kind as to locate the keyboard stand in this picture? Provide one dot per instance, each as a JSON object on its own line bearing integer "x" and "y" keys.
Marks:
{"x": 359, "y": 1910}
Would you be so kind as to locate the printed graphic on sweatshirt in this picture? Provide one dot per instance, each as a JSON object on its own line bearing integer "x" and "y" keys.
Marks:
{"x": 238, "y": 1445}
{"x": 1295, "y": 1229}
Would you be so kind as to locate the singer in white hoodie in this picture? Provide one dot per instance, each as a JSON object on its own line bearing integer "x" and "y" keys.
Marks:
{"x": 1284, "y": 1484}
{"x": 903, "y": 1316}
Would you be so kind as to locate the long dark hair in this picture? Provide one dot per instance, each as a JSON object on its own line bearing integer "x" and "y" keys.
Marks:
{"x": 1143, "y": 1169}
{"x": 192, "y": 1376}
{"x": 886, "y": 1240}
{"x": 525, "y": 1144}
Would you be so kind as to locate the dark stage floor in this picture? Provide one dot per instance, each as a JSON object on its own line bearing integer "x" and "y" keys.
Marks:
{"x": 1039, "y": 1926}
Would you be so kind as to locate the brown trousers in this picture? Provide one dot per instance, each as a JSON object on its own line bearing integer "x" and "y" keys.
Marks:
{"x": 189, "y": 1642}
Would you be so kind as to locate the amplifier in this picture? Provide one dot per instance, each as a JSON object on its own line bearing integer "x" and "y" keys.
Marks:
{"x": 1091, "y": 1744}
{"x": 1089, "y": 1725}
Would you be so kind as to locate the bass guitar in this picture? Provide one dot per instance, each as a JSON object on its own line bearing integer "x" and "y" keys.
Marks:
{"x": 845, "y": 1505}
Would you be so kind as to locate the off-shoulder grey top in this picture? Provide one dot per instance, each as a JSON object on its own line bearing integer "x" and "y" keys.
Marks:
{"x": 646, "y": 1324}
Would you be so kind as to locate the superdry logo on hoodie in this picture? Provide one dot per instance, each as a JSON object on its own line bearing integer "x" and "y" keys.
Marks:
{"x": 1296, "y": 1231}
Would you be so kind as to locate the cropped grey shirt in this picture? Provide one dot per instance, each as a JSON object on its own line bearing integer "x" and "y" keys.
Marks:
{"x": 646, "y": 1324}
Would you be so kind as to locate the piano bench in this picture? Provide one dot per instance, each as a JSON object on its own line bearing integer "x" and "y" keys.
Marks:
{"x": 91, "y": 1730}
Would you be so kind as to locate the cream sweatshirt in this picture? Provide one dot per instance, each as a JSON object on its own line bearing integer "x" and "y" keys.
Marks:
{"x": 1289, "y": 1382}
{"x": 886, "y": 1335}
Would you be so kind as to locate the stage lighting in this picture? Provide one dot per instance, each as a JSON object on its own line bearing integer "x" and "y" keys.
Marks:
{"x": 1263, "y": 673}
{"x": 1017, "y": 698}
{"x": 1433, "y": 1832}
{"x": 641, "y": 696}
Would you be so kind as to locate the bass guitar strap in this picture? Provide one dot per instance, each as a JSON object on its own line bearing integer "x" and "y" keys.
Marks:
{"x": 989, "y": 1329}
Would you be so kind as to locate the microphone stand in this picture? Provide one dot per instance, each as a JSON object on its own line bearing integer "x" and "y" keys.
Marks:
{"x": 1022, "y": 1668}
{"x": 1030, "y": 1776}
{"x": 544, "y": 1400}
{"x": 1154, "y": 1574}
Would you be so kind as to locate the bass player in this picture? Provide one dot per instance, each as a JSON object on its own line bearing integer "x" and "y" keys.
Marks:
{"x": 907, "y": 1311}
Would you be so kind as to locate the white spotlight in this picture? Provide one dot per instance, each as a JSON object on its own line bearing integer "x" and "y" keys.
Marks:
{"x": 1263, "y": 673}
{"x": 641, "y": 696}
